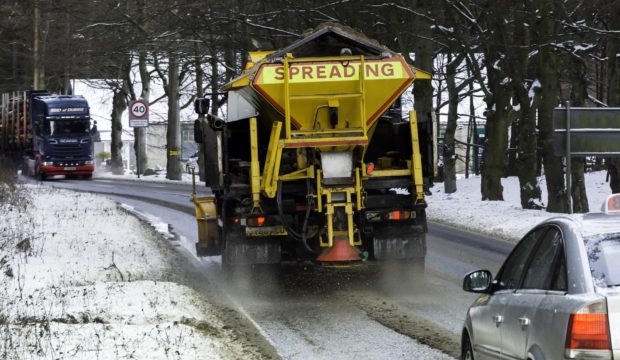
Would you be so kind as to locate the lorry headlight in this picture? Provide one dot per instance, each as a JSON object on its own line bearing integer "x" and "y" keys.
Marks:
{"x": 48, "y": 163}
{"x": 337, "y": 164}
{"x": 89, "y": 162}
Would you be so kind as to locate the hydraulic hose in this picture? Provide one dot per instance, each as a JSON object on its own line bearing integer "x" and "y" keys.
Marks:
{"x": 299, "y": 237}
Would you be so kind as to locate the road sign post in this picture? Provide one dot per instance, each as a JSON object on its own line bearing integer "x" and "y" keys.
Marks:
{"x": 569, "y": 162}
{"x": 138, "y": 118}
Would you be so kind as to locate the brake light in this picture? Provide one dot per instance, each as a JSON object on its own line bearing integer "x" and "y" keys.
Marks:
{"x": 588, "y": 332}
{"x": 256, "y": 221}
{"x": 370, "y": 168}
{"x": 397, "y": 215}
{"x": 612, "y": 204}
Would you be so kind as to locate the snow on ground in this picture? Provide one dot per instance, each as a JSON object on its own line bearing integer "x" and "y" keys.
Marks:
{"x": 84, "y": 279}
{"x": 505, "y": 220}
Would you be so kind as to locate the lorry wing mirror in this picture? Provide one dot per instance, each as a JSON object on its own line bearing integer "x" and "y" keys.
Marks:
{"x": 198, "y": 132}
{"x": 201, "y": 106}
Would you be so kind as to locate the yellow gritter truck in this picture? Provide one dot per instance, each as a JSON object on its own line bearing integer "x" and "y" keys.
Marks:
{"x": 314, "y": 159}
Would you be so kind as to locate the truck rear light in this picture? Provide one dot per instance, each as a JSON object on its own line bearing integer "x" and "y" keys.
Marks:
{"x": 397, "y": 215}
{"x": 255, "y": 221}
{"x": 588, "y": 333}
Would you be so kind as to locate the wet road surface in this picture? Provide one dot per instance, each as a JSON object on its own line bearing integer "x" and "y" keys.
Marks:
{"x": 308, "y": 311}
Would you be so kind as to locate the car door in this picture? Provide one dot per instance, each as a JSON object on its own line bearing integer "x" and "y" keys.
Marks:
{"x": 487, "y": 314}
{"x": 520, "y": 314}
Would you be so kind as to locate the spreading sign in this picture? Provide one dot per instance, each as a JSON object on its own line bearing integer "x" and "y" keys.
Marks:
{"x": 318, "y": 81}
{"x": 138, "y": 113}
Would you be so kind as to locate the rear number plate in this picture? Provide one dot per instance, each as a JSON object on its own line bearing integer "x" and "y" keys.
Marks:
{"x": 277, "y": 230}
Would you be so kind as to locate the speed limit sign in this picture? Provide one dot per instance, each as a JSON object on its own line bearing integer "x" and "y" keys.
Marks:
{"x": 138, "y": 113}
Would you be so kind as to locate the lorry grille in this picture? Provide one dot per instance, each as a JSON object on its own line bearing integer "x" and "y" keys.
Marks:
{"x": 68, "y": 151}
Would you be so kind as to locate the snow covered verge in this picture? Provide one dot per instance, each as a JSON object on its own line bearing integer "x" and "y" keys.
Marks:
{"x": 82, "y": 278}
{"x": 504, "y": 220}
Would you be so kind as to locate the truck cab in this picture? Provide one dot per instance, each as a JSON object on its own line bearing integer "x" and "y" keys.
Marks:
{"x": 62, "y": 143}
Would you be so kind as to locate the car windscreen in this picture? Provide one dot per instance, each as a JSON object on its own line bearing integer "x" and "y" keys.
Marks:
{"x": 603, "y": 254}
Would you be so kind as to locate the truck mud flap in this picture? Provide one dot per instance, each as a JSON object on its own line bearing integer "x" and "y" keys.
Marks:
{"x": 242, "y": 250}
{"x": 399, "y": 242}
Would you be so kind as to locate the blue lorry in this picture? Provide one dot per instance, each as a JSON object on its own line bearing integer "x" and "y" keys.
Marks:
{"x": 51, "y": 132}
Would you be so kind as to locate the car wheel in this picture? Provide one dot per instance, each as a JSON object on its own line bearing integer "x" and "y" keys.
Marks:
{"x": 466, "y": 351}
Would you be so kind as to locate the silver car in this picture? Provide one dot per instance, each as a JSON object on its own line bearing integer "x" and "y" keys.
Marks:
{"x": 557, "y": 295}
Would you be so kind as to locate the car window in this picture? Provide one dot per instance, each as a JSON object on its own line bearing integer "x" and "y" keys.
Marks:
{"x": 513, "y": 267}
{"x": 559, "y": 279}
{"x": 540, "y": 270}
{"x": 603, "y": 254}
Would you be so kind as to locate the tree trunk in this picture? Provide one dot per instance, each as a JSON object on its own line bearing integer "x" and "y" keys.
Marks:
{"x": 215, "y": 105}
{"x": 580, "y": 198}
{"x": 423, "y": 90}
{"x": 513, "y": 145}
{"x": 471, "y": 130}
{"x": 613, "y": 167}
{"x": 173, "y": 131}
{"x": 140, "y": 132}
{"x": 548, "y": 68}
{"x": 38, "y": 75}
{"x": 496, "y": 136}
{"x": 579, "y": 93}
{"x": 119, "y": 104}
{"x": 200, "y": 93}
{"x": 449, "y": 149}
{"x": 498, "y": 107}
{"x": 525, "y": 135}
{"x": 613, "y": 89}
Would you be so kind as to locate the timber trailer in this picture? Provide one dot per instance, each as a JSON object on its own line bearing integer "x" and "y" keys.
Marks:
{"x": 314, "y": 160}
{"x": 51, "y": 133}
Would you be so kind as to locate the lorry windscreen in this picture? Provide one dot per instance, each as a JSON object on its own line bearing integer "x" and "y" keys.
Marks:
{"x": 68, "y": 127}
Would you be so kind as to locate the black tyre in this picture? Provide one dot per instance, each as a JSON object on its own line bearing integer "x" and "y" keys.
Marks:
{"x": 466, "y": 349}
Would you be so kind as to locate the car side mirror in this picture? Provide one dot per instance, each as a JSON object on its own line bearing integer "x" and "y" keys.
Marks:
{"x": 201, "y": 106}
{"x": 478, "y": 281}
{"x": 198, "y": 132}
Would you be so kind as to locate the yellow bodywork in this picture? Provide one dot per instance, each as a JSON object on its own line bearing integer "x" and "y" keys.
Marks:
{"x": 326, "y": 104}
{"x": 206, "y": 217}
